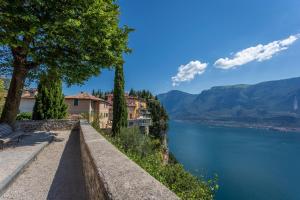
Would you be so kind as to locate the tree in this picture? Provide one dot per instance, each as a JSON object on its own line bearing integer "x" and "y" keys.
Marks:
{"x": 79, "y": 38}
{"x": 159, "y": 115}
{"x": 159, "y": 118}
{"x": 1, "y": 94}
{"x": 50, "y": 101}
{"x": 119, "y": 102}
{"x": 132, "y": 93}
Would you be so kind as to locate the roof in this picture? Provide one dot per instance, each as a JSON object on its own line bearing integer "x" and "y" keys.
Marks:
{"x": 84, "y": 95}
{"x": 27, "y": 97}
{"x": 29, "y": 93}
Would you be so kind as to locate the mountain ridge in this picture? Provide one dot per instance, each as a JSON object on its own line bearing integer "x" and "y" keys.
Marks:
{"x": 270, "y": 102}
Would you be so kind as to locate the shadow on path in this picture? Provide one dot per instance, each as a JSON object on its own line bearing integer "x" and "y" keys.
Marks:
{"x": 68, "y": 182}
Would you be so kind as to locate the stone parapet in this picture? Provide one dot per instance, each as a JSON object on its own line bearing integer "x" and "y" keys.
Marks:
{"x": 46, "y": 125}
{"x": 109, "y": 174}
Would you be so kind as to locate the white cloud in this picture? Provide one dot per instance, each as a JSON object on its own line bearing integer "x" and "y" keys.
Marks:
{"x": 188, "y": 72}
{"x": 258, "y": 53}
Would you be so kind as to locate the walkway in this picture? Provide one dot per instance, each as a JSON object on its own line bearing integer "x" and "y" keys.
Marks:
{"x": 55, "y": 174}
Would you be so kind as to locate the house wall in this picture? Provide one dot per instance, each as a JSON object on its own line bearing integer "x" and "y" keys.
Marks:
{"x": 131, "y": 112}
{"x": 26, "y": 105}
{"x": 84, "y": 106}
{"x": 104, "y": 115}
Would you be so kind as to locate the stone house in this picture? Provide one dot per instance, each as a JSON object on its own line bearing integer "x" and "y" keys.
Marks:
{"x": 134, "y": 105}
{"x": 105, "y": 114}
{"x": 138, "y": 114}
{"x": 80, "y": 104}
{"x": 27, "y": 100}
{"x": 89, "y": 106}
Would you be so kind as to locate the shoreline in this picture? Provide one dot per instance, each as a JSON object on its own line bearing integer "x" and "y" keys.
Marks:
{"x": 244, "y": 125}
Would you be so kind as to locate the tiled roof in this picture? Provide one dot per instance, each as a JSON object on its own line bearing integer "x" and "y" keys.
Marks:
{"x": 84, "y": 96}
{"x": 29, "y": 94}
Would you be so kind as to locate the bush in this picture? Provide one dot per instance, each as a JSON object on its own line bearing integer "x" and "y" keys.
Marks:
{"x": 146, "y": 153}
{"x": 131, "y": 139}
{"x": 24, "y": 116}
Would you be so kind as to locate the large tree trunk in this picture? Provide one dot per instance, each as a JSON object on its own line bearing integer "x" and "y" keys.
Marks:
{"x": 13, "y": 98}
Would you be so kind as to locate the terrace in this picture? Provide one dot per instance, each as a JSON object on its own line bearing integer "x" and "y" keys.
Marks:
{"x": 68, "y": 159}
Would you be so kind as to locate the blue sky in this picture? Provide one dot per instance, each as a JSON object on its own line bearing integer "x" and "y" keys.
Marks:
{"x": 171, "y": 33}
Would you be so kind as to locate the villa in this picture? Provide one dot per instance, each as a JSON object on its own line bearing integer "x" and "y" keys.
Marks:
{"x": 138, "y": 114}
{"x": 134, "y": 105}
{"x": 80, "y": 104}
{"x": 89, "y": 106}
{"x": 27, "y": 100}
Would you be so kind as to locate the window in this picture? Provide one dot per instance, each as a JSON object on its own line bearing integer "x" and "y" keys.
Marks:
{"x": 76, "y": 102}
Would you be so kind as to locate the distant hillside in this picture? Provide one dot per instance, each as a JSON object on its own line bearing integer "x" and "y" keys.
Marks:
{"x": 273, "y": 102}
{"x": 176, "y": 101}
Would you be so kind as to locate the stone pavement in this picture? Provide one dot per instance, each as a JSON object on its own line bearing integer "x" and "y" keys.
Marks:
{"x": 55, "y": 174}
{"x": 14, "y": 160}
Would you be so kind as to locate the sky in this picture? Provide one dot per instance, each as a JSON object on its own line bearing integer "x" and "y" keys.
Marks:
{"x": 193, "y": 45}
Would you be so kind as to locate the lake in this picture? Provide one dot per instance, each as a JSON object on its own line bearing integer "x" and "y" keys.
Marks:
{"x": 250, "y": 163}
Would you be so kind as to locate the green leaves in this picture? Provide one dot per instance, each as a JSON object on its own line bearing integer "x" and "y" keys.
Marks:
{"x": 119, "y": 102}
{"x": 50, "y": 102}
{"x": 79, "y": 38}
{"x": 143, "y": 150}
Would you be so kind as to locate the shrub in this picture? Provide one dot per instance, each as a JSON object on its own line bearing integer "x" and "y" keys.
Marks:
{"x": 147, "y": 153}
{"x": 24, "y": 116}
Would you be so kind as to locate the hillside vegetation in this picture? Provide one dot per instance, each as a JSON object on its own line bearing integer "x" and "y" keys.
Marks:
{"x": 272, "y": 102}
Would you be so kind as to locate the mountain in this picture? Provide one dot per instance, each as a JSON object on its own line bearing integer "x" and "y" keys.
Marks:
{"x": 175, "y": 101}
{"x": 272, "y": 102}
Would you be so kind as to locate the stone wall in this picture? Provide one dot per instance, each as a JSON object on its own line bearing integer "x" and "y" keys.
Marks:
{"x": 46, "y": 125}
{"x": 109, "y": 174}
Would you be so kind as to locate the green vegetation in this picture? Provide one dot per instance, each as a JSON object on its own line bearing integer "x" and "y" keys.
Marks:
{"x": 239, "y": 104}
{"x": 146, "y": 152}
{"x": 50, "y": 101}
{"x": 119, "y": 102}
{"x": 2, "y": 94}
{"x": 159, "y": 115}
{"x": 78, "y": 38}
{"x": 101, "y": 94}
{"x": 159, "y": 118}
{"x": 24, "y": 116}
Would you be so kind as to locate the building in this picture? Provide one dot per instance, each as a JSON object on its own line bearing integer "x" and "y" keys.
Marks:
{"x": 143, "y": 121}
{"x": 134, "y": 105}
{"x": 105, "y": 114}
{"x": 82, "y": 104}
{"x": 27, "y": 100}
{"x": 94, "y": 108}
{"x": 90, "y": 107}
{"x": 138, "y": 114}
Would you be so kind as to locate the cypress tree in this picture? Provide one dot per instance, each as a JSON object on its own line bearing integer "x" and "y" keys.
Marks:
{"x": 50, "y": 102}
{"x": 119, "y": 102}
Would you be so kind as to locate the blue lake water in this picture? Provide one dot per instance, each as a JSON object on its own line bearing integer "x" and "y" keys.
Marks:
{"x": 250, "y": 163}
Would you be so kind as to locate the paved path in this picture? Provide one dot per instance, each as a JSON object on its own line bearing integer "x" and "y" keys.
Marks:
{"x": 55, "y": 174}
{"x": 13, "y": 160}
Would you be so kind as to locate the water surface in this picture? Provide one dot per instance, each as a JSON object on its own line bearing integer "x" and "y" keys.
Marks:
{"x": 250, "y": 163}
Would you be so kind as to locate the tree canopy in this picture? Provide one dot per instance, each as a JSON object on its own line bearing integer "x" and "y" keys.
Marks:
{"x": 50, "y": 101}
{"x": 79, "y": 38}
{"x": 119, "y": 102}
{"x": 1, "y": 94}
{"x": 159, "y": 114}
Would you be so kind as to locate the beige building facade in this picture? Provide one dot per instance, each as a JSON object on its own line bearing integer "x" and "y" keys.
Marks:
{"x": 89, "y": 106}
